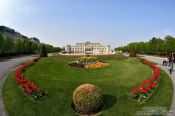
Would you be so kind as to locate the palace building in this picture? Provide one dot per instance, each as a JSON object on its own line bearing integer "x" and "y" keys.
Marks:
{"x": 87, "y": 48}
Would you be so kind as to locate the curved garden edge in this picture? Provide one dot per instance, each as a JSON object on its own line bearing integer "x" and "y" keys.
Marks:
{"x": 9, "y": 65}
{"x": 159, "y": 60}
{"x": 27, "y": 86}
{"x": 144, "y": 90}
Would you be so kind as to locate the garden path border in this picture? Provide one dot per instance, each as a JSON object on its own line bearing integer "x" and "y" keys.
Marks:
{"x": 159, "y": 61}
{"x": 5, "y": 68}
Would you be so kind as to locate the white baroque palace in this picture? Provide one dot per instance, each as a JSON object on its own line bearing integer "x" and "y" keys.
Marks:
{"x": 88, "y": 48}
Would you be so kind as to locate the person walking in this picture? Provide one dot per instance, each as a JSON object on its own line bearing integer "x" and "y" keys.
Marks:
{"x": 172, "y": 63}
{"x": 169, "y": 59}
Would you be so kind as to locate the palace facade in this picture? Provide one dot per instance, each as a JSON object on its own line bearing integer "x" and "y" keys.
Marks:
{"x": 87, "y": 48}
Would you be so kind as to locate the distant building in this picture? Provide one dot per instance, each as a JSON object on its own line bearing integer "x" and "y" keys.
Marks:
{"x": 8, "y": 32}
{"x": 88, "y": 48}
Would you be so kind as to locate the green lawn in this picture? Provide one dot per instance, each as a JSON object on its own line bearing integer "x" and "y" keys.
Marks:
{"x": 60, "y": 81}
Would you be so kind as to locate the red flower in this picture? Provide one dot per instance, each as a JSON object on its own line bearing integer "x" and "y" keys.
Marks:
{"x": 22, "y": 81}
{"x": 24, "y": 85}
{"x": 35, "y": 87}
{"x": 150, "y": 85}
{"x": 139, "y": 86}
{"x": 154, "y": 84}
{"x": 134, "y": 90}
{"x": 29, "y": 90}
{"x": 151, "y": 79}
{"x": 143, "y": 91}
{"x": 144, "y": 82}
{"x": 25, "y": 80}
{"x": 29, "y": 83}
{"x": 154, "y": 74}
{"x": 148, "y": 88}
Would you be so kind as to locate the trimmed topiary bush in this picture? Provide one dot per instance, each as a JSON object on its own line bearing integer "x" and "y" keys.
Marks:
{"x": 43, "y": 52}
{"x": 87, "y": 98}
{"x": 133, "y": 54}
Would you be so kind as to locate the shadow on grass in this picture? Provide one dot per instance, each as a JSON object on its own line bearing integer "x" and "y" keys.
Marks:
{"x": 109, "y": 101}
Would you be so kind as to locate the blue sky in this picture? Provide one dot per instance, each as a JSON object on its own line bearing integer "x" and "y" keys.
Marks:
{"x": 113, "y": 22}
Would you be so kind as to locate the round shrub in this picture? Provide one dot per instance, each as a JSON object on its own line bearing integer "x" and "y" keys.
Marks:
{"x": 43, "y": 52}
{"x": 133, "y": 54}
{"x": 87, "y": 98}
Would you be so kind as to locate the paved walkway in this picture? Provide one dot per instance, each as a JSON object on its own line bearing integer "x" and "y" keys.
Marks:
{"x": 6, "y": 67}
{"x": 159, "y": 61}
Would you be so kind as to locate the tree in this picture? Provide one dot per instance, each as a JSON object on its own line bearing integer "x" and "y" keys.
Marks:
{"x": 29, "y": 45}
{"x": 33, "y": 47}
{"x": 8, "y": 45}
{"x": 155, "y": 45}
{"x": 153, "y": 42}
{"x": 57, "y": 49}
{"x": 19, "y": 45}
{"x": 43, "y": 52}
{"x": 160, "y": 45}
{"x": 170, "y": 43}
{"x": 132, "y": 47}
{"x": 1, "y": 43}
{"x": 26, "y": 45}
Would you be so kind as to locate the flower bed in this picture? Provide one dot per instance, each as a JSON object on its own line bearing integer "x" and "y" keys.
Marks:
{"x": 28, "y": 87}
{"x": 97, "y": 64}
{"x": 143, "y": 91}
{"x": 77, "y": 64}
{"x": 88, "y": 62}
{"x": 87, "y": 59}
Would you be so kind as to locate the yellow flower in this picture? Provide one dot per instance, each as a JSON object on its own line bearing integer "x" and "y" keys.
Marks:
{"x": 96, "y": 65}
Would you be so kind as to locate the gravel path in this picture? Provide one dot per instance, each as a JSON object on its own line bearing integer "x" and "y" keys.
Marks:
{"x": 6, "y": 66}
{"x": 159, "y": 61}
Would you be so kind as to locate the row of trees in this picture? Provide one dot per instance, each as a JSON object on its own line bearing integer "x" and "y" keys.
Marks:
{"x": 155, "y": 45}
{"x": 19, "y": 46}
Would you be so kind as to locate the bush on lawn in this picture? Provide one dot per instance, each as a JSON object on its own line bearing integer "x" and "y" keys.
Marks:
{"x": 43, "y": 52}
{"x": 87, "y": 98}
{"x": 132, "y": 54}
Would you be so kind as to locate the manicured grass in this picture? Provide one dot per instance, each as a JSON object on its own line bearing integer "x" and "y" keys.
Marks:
{"x": 60, "y": 81}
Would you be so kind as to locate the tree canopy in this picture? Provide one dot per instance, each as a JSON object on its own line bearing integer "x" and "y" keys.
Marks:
{"x": 154, "y": 45}
{"x": 9, "y": 45}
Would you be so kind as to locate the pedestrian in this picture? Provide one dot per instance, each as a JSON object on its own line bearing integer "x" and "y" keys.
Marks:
{"x": 170, "y": 59}
{"x": 171, "y": 68}
{"x": 172, "y": 63}
{"x": 165, "y": 61}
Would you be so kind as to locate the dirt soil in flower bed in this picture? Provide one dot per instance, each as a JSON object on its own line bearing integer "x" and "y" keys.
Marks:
{"x": 60, "y": 81}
